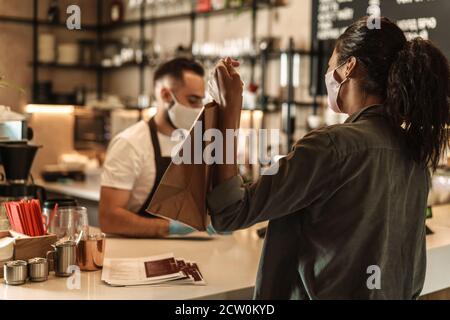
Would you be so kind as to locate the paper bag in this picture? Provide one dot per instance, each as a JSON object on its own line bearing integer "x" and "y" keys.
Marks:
{"x": 181, "y": 194}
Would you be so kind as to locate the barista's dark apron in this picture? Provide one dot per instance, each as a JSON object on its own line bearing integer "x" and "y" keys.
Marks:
{"x": 161, "y": 163}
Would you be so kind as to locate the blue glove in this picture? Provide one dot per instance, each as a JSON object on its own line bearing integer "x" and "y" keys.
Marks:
{"x": 177, "y": 228}
{"x": 211, "y": 231}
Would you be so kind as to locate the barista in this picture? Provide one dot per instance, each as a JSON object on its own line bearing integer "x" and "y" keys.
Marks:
{"x": 138, "y": 157}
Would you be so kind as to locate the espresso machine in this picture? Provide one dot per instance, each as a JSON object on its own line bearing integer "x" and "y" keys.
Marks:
{"x": 16, "y": 158}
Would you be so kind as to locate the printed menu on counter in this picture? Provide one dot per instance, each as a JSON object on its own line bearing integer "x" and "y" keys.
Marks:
{"x": 156, "y": 270}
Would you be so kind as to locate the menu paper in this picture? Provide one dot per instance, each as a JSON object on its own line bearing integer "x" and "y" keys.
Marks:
{"x": 155, "y": 270}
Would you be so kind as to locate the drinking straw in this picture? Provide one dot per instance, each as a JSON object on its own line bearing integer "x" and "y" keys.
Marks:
{"x": 8, "y": 210}
{"x": 38, "y": 213}
{"x": 52, "y": 215}
{"x": 30, "y": 217}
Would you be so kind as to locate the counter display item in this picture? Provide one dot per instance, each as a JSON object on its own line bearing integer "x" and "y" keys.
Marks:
{"x": 47, "y": 48}
{"x": 91, "y": 252}
{"x": 63, "y": 257}
{"x": 68, "y": 222}
{"x": 6, "y": 248}
{"x": 53, "y": 12}
{"x": 25, "y": 217}
{"x": 23, "y": 247}
{"x": 38, "y": 269}
{"x": 15, "y": 272}
{"x": 68, "y": 53}
{"x": 116, "y": 11}
{"x": 151, "y": 271}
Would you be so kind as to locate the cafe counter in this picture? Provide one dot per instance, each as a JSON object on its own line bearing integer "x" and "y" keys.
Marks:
{"x": 228, "y": 263}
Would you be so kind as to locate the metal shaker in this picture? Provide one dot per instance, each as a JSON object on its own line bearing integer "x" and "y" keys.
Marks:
{"x": 38, "y": 269}
{"x": 15, "y": 272}
{"x": 64, "y": 257}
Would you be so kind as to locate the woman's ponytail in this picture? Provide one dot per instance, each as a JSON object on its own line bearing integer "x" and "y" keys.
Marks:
{"x": 417, "y": 100}
{"x": 412, "y": 77}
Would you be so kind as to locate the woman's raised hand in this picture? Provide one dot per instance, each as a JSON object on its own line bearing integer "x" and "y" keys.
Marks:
{"x": 230, "y": 89}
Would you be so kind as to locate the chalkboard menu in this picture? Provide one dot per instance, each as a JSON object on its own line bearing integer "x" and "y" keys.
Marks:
{"x": 429, "y": 19}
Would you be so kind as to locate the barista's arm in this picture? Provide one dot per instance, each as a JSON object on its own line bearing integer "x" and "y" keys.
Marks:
{"x": 123, "y": 165}
{"x": 115, "y": 219}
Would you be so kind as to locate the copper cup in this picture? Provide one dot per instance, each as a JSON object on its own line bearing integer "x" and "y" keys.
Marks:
{"x": 91, "y": 251}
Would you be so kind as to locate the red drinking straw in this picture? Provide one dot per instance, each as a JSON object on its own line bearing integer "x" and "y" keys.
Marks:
{"x": 52, "y": 215}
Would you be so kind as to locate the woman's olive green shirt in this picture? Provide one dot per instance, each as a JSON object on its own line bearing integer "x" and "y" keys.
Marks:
{"x": 347, "y": 215}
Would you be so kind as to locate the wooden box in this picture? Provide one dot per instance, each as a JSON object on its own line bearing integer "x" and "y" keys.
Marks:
{"x": 31, "y": 247}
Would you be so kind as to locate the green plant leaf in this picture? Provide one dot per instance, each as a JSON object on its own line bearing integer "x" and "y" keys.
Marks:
{"x": 9, "y": 85}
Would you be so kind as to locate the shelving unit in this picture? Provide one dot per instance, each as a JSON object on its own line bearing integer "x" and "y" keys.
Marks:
{"x": 30, "y": 22}
{"x": 101, "y": 29}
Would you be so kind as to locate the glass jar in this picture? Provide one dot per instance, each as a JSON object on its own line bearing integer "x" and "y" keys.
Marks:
{"x": 69, "y": 222}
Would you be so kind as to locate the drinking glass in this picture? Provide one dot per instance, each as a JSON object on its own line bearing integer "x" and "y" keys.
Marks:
{"x": 69, "y": 222}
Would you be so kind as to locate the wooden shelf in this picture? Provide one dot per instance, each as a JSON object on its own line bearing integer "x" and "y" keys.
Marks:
{"x": 89, "y": 67}
{"x": 271, "y": 55}
{"x": 66, "y": 66}
{"x": 137, "y": 22}
{"x": 30, "y": 22}
{"x": 279, "y": 102}
{"x": 183, "y": 16}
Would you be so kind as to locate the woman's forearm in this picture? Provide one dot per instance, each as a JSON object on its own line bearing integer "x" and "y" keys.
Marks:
{"x": 226, "y": 171}
{"x": 231, "y": 88}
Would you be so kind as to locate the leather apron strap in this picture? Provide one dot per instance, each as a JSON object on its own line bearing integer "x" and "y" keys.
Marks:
{"x": 161, "y": 163}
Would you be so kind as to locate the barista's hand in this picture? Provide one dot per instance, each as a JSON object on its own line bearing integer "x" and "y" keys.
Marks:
{"x": 177, "y": 228}
{"x": 230, "y": 90}
{"x": 211, "y": 231}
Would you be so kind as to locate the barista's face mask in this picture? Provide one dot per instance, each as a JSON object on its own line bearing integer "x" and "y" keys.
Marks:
{"x": 182, "y": 117}
{"x": 333, "y": 89}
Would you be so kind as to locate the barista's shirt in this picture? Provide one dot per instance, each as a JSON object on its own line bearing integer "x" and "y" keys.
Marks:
{"x": 346, "y": 201}
{"x": 130, "y": 162}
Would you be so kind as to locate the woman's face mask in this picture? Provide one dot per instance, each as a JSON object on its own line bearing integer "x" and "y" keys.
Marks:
{"x": 333, "y": 89}
{"x": 182, "y": 117}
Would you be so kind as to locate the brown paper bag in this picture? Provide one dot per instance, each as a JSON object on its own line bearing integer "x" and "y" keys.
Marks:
{"x": 181, "y": 195}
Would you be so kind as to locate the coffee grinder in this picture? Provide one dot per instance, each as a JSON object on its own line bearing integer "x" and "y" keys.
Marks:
{"x": 16, "y": 157}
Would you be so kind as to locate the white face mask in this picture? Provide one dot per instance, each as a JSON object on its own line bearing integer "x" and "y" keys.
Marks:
{"x": 333, "y": 89}
{"x": 182, "y": 117}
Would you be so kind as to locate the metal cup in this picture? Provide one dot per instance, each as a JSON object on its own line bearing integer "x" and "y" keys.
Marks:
{"x": 90, "y": 252}
{"x": 15, "y": 272}
{"x": 64, "y": 257}
{"x": 38, "y": 269}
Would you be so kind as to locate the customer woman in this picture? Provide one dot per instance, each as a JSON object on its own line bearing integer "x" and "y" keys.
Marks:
{"x": 347, "y": 205}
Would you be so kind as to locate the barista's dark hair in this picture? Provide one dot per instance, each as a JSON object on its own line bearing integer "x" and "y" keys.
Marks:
{"x": 412, "y": 77}
{"x": 174, "y": 68}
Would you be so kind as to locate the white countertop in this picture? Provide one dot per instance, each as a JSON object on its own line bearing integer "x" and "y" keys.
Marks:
{"x": 438, "y": 251}
{"x": 228, "y": 263}
{"x": 89, "y": 189}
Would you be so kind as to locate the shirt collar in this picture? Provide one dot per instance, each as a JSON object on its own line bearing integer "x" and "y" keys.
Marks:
{"x": 372, "y": 109}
